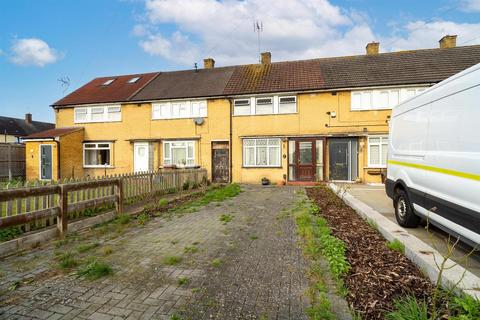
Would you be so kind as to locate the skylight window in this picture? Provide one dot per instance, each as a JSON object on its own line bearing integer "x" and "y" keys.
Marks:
{"x": 109, "y": 81}
{"x": 133, "y": 80}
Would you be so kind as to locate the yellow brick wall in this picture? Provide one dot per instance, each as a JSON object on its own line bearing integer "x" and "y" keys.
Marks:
{"x": 32, "y": 159}
{"x": 71, "y": 155}
{"x": 137, "y": 123}
{"x": 311, "y": 119}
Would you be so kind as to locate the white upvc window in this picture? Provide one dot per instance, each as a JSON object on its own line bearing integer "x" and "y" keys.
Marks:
{"x": 181, "y": 109}
{"x": 381, "y": 99}
{"x": 287, "y": 104}
{"x": 106, "y": 113}
{"x": 261, "y": 152}
{"x": 246, "y": 106}
{"x": 241, "y": 107}
{"x": 264, "y": 105}
{"x": 377, "y": 151}
{"x": 179, "y": 153}
{"x": 97, "y": 154}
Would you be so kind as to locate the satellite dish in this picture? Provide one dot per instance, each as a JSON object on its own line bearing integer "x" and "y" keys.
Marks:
{"x": 199, "y": 121}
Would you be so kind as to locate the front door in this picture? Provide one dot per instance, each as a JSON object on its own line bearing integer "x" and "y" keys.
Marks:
{"x": 343, "y": 159}
{"x": 220, "y": 162}
{"x": 46, "y": 162}
{"x": 140, "y": 156}
{"x": 302, "y": 160}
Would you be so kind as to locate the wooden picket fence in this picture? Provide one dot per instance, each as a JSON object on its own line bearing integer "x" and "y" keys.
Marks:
{"x": 37, "y": 205}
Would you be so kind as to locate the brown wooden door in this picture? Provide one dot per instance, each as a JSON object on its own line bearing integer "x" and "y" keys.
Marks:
{"x": 305, "y": 160}
{"x": 220, "y": 165}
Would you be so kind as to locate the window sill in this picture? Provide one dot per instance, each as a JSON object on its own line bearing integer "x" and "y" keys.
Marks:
{"x": 375, "y": 167}
{"x": 266, "y": 114}
{"x": 103, "y": 121}
{"x": 262, "y": 167}
{"x": 178, "y": 118}
{"x": 99, "y": 167}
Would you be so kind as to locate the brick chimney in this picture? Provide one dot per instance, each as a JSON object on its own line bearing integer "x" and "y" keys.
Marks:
{"x": 28, "y": 118}
{"x": 448, "y": 41}
{"x": 266, "y": 58}
{"x": 208, "y": 63}
{"x": 373, "y": 48}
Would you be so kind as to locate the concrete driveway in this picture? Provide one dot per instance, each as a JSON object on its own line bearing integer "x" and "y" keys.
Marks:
{"x": 375, "y": 197}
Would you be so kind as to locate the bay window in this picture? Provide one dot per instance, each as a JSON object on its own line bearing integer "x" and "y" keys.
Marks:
{"x": 97, "y": 154}
{"x": 377, "y": 151}
{"x": 179, "y": 153}
{"x": 261, "y": 152}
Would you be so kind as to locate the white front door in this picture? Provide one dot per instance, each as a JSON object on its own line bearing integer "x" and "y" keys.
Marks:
{"x": 140, "y": 156}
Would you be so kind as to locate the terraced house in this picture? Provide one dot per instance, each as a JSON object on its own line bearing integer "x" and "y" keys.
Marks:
{"x": 295, "y": 121}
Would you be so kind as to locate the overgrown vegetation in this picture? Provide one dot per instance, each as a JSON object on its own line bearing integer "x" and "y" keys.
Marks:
{"x": 87, "y": 246}
{"x": 172, "y": 260}
{"x": 67, "y": 261}
{"x": 217, "y": 262}
{"x": 319, "y": 243}
{"x": 214, "y": 194}
{"x": 95, "y": 269}
{"x": 226, "y": 218}
{"x": 183, "y": 281}
{"x": 10, "y": 233}
{"x": 396, "y": 245}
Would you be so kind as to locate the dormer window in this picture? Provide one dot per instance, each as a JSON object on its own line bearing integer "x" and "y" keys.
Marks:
{"x": 108, "y": 82}
{"x": 133, "y": 80}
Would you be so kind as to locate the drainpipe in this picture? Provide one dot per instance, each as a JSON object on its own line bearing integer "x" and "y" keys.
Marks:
{"x": 58, "y": 158}
{"x": 230, "y": 142}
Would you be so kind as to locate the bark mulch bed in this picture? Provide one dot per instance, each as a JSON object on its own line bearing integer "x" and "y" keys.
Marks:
{"x": 378, "y": 274}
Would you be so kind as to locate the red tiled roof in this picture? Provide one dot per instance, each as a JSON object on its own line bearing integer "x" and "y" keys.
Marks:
{"x": 118, "y": 91}
{"x": 53, "y": 133}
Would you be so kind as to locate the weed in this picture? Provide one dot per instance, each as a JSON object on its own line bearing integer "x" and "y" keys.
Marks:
{"x": 226, "y": 218}
{"x": 253, "y": 237}
{"x": 408, "y": 308}
{"x": 175, "y": 317}
{"x": 14, "y": 286}
{"x": 214, "y": 194}
{"x": 123, "y": 219}
{"x": 321, "y": 309}
{"x": 372, "y": 224}
{"x": 186, "y": 185}
{"x": 183, "y": 281}
{"x": 107, "y": 250}
{"x": 86, "y": 247}
{"x": 466, "y": 307}
{"x": 396, "y": 245}
{"x": 190, "y": 249}
{"x": 143, "y": 218}
{"x": 10, "y": 233}
{"x": 174, "y": 242}
{"x": 195, "y": 290}
{"x": 67, "y": 261}
{"x": 95, "y": 269}
{"x": 61, "y": 242}
{"x": 172, "y": 260}
{"x": 216, "y": 262}
{"x": 162, "y": 202}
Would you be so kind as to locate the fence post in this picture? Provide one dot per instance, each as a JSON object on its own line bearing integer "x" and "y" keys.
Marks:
{"x": 62, "y": 219}
{"x": 119, "y": 194}
{"x": 9, "y": 151}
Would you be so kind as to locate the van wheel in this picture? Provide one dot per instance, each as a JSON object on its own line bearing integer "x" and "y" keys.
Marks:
{"x": 404, "y": 210}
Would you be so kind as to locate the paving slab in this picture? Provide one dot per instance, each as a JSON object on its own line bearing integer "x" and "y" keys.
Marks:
{"x": 247, "y": 268}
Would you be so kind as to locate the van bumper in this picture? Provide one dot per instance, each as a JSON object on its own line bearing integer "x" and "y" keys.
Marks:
{"x": 389, "y": 184}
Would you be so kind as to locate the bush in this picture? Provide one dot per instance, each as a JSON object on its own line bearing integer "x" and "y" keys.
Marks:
{"x": 10, "y": 233}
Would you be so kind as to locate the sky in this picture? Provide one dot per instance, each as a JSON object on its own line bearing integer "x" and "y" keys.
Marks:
{"x": 50, "y": 48}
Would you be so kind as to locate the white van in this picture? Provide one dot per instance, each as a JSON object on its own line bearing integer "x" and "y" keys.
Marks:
{"x": 434, "y": 157}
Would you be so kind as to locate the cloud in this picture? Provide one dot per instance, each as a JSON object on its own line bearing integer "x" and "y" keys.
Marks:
{"x": 421, "y": 34}
{"x": 292, "y": 29}
{"x": 33, "y": 51}
{"x": 470, "y": 5}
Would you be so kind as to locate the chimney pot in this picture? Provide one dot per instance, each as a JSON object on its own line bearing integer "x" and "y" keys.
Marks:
{"x": 28, "y": 118}
{"x": 208, "y": 63}
{"x": 448, "y": 41}
{"x": 373, "y": 48}
{"x": 266, "y": 58}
